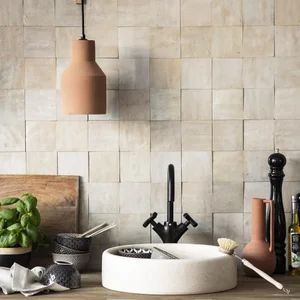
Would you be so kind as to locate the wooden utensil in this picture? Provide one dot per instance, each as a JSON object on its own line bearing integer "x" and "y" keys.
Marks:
{"x": 101, "y": 230}
{"x": 90, "y": 231}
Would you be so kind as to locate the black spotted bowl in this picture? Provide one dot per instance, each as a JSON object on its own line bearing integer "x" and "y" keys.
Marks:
{"x": 72, "y": 241}
{"x": 62, "y": 273}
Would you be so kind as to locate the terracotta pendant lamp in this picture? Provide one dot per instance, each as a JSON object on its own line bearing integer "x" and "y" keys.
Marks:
{"x": 83, "y": 85}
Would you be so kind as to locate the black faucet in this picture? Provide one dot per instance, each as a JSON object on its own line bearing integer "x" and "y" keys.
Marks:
{"x": 170, "y": 232}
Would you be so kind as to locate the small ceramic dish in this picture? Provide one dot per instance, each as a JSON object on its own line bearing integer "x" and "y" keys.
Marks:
{"x": 72, "y": 241}
{"x": 58, "y": 248}
{"x": 79, "y": 261}
{"x": 135, "y": 252}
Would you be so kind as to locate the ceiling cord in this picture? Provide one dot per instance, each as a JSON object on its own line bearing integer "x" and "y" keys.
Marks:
{"x": 82, "y": 21}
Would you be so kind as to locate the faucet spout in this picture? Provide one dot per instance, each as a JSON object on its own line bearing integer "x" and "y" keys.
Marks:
{"x": 171, "y": 193}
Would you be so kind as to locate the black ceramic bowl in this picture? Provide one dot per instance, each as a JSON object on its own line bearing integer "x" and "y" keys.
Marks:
{"x": 135, "y": 252}
{"x": 9, "y": 256}
{"x": 61, "y": 249}
{"x": 72, "y": 241}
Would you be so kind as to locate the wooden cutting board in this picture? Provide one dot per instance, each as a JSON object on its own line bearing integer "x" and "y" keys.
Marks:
{"x": 57, "y": 196}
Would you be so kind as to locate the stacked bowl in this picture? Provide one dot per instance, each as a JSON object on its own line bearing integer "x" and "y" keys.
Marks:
{"x": 69, "y": 247}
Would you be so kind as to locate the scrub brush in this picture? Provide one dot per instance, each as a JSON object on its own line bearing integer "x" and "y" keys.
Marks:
{"x": 227, "y": 246}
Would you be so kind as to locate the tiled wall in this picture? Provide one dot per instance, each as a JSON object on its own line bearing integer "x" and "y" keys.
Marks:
{"x": 211, "y": 86}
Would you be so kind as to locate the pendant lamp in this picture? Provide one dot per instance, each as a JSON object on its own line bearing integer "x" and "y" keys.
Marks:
{"x": 83, "y": 85}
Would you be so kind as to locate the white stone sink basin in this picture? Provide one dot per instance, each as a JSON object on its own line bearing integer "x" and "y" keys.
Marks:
{"x": 200, "y": 269}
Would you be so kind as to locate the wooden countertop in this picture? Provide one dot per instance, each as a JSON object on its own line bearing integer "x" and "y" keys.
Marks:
{"x": 248, "y": 288}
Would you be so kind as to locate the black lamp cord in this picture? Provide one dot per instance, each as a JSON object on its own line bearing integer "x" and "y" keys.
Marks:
{"x": 82, "y": 21}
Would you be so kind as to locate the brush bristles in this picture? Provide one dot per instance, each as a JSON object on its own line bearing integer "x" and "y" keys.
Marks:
{"x": 227, "y": 245}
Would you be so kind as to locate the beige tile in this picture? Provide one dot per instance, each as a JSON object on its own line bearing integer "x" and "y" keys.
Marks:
{"x": 289, "y": 189}
{"x": 165, "y": 73}
{"x": 12, "y": 162}
{"x": 135, "y": 136}
{"x": 40, "y": 136}
{"x": 11, "y": 12}
{"x": 259, "y": 135}
{"x": 165, "y": 104}
{"x": 71, "y": 136}
{"x": 258, "y": 41}
{"x": 135, "y": 166}
{"x": 195, "y": 73}
{"x": 104, "y": 198}
{"x": 104, "y": 166}
{"x": 134, "y": 198}
{"x": 227, "y": 41}
{"x": 287, "y": 41}
{"x": 196, "y": 105}
{"x": 41, "y": 163}
{"x": 228, "y": 104}
{"x": 165, "y": 136}
{"x": 286, "y": 72}
{"x": 259, "y": 104}
{"x": 196, "y": 197}
{"x": 110, "y": 67}
{"x": 229, "y": 225}
{"x": 134, "y": 105}
{"x": 197, "y": 167}
{"x": 38, "y": 13}
{"x": 11, "y": 42}
{"x": 258, "y": 72}
{"x": 73, "y": 163}
{"x": 291, "y": 169}
{"x": 287, "y": 134}
{"x": 165, "y": 12}
{"x": 134, "y": 42}
{"x": 287, "y": 12}
{"x": 228, "y": 135}
{"x": 196, "y": 136}
{"x": 258, "y": 12}
{"x": 11, "y": 73}
{"x": 255, "y": 190}
{"x": 40, "y": 73}
{"x": 12, "y": 105}
{"x": 287, "y": 104}
{"x": 227, "y": 12}
{"x": 165, "y": 42}
{"x": 40, "y": 104}
{"x": 196, "y": 12}
{"x": 227, "y": 73}
{"x": 133, "y": 74}
{"x": 12, "y": 136}
{"x": 61, "y": 65}
{"x": 256, "y": 166}
{"x": 228, "y": 167}
{"x": 67, "y": 13}
{"x": 103, "y": 135}
{"x": 64, "y": 38}
{"x": 159, "y": 166}
{"x": 196, "y": 42}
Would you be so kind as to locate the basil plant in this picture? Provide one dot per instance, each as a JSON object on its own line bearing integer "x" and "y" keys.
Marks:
{"x": 19, "y": 222}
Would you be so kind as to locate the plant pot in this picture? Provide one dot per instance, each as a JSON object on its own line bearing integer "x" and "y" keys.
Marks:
{"x": 9, "y": 256}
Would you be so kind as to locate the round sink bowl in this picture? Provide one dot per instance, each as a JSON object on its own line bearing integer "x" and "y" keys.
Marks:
{"x": 200, "y": 269}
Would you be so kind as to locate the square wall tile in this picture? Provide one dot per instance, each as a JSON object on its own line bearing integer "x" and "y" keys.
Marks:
{"x": 165, "y": 136}
{"x": 286, "y": 103}
{"x": 63, "y": 38}
{"x": 40, "y": 136}
{"x": 134, "y": 198}
{"x": 227, "y": 12}
{"x": 11, "y": 12}
{"x": 196, "y": 12}
{"x": 255, "y": 190}
{"x": 287, "y": 134}
{"x": 12, "y": 162}
{"x": 40, "y": 105}
{"x": 39, "y": 42}
{"x": 165, "y": 104}
{"x": 286, "y": 72}
{"x": 104, "y": 166}
{"x": 67, "y": 13}
{"x": 195, "y": 73}
{"x": 11, "y": 73}
{"x": 287, "y": 41}
{"x": 165, "y": 13}
{"x": 227, "y": 73}
{"x": 74, "y": 163}
{"x": 197, "y": 167}
{"x": 135, "y": 166}
{"x": 110, "y": 67}
{"x": 39, "y": 12}
{"x": 12, "y": 105}
{"x": 228, "y": 104}
{"x": 41, "y": 163}
{"x": 259, "y": 135}
{"x": 12, "y": 136}
{"x": 292, "y": 166}
{"x": 259, "y": 104}
{"x": 165, "y": 73}
{"x": 287, "y": 12}
{"x": 135, "y": 136}
{"x": 159, "y": 166}
{"x": 103, "y": 135}
{"x": 258, "y": 12}
{"x": 196, "y": 105}
{"x": 228, "y": 135}
{"x": 71, "y": 135}
{"x": 11, "y": 42}
{"x": 104, "y": 198}
{"x": 196, "y": 136}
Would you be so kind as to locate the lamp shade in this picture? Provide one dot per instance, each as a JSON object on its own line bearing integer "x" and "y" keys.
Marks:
{"x": 83, "y": 86}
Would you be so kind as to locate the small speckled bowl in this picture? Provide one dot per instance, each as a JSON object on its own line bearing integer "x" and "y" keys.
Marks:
{"x": 58, "y": 248}
{"x": 72, "y": 241}
{"x": 79, "y": 261}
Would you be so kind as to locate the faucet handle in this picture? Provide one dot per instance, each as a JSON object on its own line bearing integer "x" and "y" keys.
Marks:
{"x": 190, "y": 220}
{"x": 150, "y": 220}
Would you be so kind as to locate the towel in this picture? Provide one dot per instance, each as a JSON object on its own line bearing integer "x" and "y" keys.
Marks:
{"x": 26, "y": 281}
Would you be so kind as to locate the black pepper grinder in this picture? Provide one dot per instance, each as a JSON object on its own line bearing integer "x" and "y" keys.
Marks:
{"x": 277, "y": 161}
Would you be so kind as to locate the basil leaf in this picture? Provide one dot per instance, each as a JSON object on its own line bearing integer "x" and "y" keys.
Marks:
{"x": 8, "y": 201}
{"x": 8, "y": 214}
{"x": 8, "y": 239}
{"x": 29, "y": 201}
{"x": 20, "y": 206}
{"x": 32, "y": 232}
{"x": 35, "y": 217}
{"x": 15, "y": 227}
{"x": 25, "y": 219}
{"x": 24, "y": 240}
